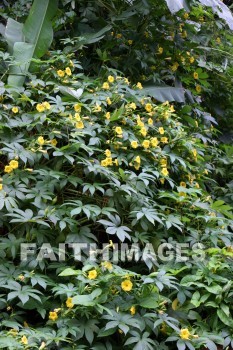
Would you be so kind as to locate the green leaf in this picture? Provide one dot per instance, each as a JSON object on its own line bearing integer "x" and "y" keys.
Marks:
{"x": 164, "y": 93}
{"x": 69, "y": 272}
{"x": 13, "y": 33}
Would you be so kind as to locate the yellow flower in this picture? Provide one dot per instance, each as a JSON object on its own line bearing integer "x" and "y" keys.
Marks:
{"x": 77, "y": 117}
{"x": 198, "y": 88}
{"x": 150, "y": 121}
{"x": 53, "y": 316}
{"x": 184, "y": 34}
{"x": 161, "y": 130}
{"x": 105, "y": 86}
{"x": 134, "y": 144}
{"x": 8, "y": 169}
{"x": 164, "y": 139}
{"x": 185, "y": 334}
{"x": 107, "y": 152}
{"x": 132, "y": 105}
{"x": 41, "y": 140}
{"x": 137, "y": 159}
{"x": 194, "y": 152}
{"x": 160, "y": 50}
{"x": 148, "y": 107}
{"x": 126, "y": 80}
{"x": 71, "y": 63}
{"x": 164, "y": 172}
{"x": 108, "y": 115}
{"x": 197, "y": 185}
{"x": 118, "y": 130}
{"x": 14, "y": 164}
{"x": 186, "y": 15}
{"x": 126, "y": 285}
{"x": 130, "y": 42}
{"x": 154, "y": 142}
{"x": 195, "y": 75}
{"x": 15, "y": 109}
{"x": 104, "y": 163}
{"x": 111, "y": 79}
{"x": 79, "y": 125}
{"x": 1, "y": 187}
{"x": 175, "y": 66}
{"x": 182, "y": 194}
{"x": 109, "y": 160}
{"x": 139, "y": 86}
{"x": 132, "y": 310}
{"x": 69, "y": 303}
{"x": 46, "y": 105}
{"x": 97, "y": 108}
{"x": 54, "y": 142}
{"x": 60, "y": 73}
{"x": 192, "y": 59}
{"x": 143, "y": 131}
{"x": 146, "y": 143}
{"x": 24, "y": 340}
{"x": 40, "y": 107}
{"x": 116, "y": 162}
{"x": 206, "y": 172}
{"x": 107, "y": 265}
{"x": 108, "y": 100}
{"x": 118, "y": 36}
{"x": 68, "y": 71}
{"x": 77, "y": 107}
{"x": 182, "y": 184}
{"x": 92, "y": 274}
{"x": 163, "y": 163}
{"x": 218, "y": 40}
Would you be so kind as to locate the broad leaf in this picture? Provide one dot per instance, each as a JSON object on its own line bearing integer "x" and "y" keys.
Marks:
{"x": 165, "y": 93}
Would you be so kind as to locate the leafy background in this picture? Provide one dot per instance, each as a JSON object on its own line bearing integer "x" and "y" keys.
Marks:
{"x": 117, "y": 117}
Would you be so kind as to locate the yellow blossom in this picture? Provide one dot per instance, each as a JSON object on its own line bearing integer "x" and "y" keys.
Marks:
{"x": 53, "y": 142}
{"x": 143, "y": 131}
{"x": 146, "y": 143}
{"x": 77, "y": 117}
{"x": 60, "y": 73}
{"x": 53, "y": 316}
{"x": 139, "y": 86}
{"x": 15, "y": 110}
{"x": 1, "y": 187}
{"x": 148, "y": 107}
{"x": 41, "y": 140}
{"x": 40, "y": 107}
{"x": 206, "y": 172}
{"x": 107, "y": 152}
{"x": 137, "y": 159}
{"x": 118, "y": 130}
{"x": 198, "y": 88}
{"x": 132, "y": 105}
{"x": 194, "y": 152}
{"x": 197, "y": 185}
{"x": 134, "y": 144}
{"x": 182, "y": 194}
{"x": 175, "y": 66}
{"x": 218, "y": 40}
{"x": 130, "y": 42}
{"x": 160, "y": 50}
{"x": 14, "y": 164}
{"x": 154, "y": 142}
{"x": 46, "y": 105}
{"x": 106, "y": 86}
{"x": 24, "y": 340}
{"x": 107, "y": 115}
{"x": 103, "y": 163}
{"x": 132, "y": 310}
{"x": 163, "y": 163}
{"x": 97, "y": 108}
{"x": 92, "y": 274}
{"x": 119, "y": 36}
{"x": 107, "y": 265}
{"x": 77, "y": 107}
{"x": 126, "y": 285}
{"x": 186, "y": 15}
{"x": 161, "y": 130}
{"x": 79, "y": 125}
{"x": 195, "y": 75}
{"x": 185, "y": 334}
{"x": 164, "y": 139}
{"x": 116, "y": 162}
{"x": 150, "y": 121}
{"x": 109, "y": 160}
{"x": 8, "y": 169}
{"x": 108, "y": 100}
{"x": 111, "y": 79}
{"x": 69, "y": 303}
{"x": 68, "y": 71}
{"x": 192, "y": 59}
{"x": 182, "y": 184}
{"x": 164, "y": 172}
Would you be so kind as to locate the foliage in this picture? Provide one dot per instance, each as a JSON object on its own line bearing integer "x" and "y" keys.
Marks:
{"x": 113, "y": 141}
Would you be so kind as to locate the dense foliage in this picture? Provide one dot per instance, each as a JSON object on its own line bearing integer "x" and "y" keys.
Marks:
{"x": 116, "y": 131}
